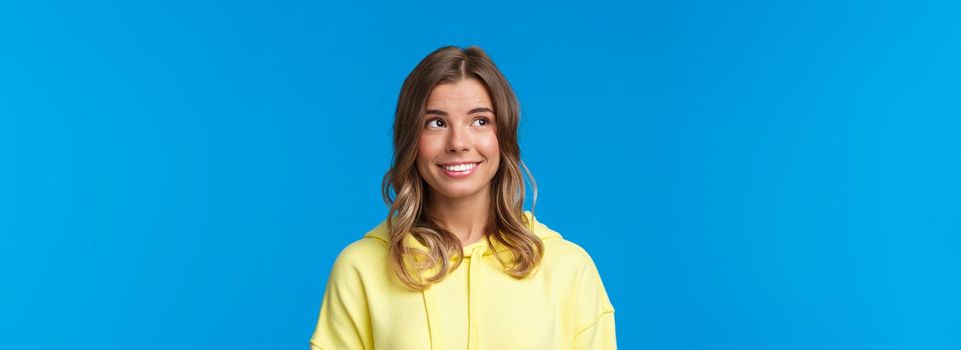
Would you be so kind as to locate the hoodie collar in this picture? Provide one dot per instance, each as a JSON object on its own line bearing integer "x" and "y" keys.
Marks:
{"x": 540, "y": 230}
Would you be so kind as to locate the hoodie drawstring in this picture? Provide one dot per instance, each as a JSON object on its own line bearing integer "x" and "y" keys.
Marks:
{"x": 473, "y": 295}
{"x": 431, "y": 315}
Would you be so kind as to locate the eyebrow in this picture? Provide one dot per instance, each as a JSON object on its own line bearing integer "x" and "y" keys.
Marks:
{"x": 475, "y": 110}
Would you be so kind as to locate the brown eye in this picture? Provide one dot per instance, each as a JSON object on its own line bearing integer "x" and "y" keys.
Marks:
{"x": 484, "y": 121}
{"x": 439, "y": 123}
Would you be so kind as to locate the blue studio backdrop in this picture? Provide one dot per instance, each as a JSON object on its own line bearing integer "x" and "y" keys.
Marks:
{"x": 746, "y": 174}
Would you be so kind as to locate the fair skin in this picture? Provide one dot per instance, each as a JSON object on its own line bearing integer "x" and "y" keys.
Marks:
{"x": 459, "y": 129}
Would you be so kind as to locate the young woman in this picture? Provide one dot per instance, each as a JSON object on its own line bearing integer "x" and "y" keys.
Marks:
{"x": 459, "y": 264}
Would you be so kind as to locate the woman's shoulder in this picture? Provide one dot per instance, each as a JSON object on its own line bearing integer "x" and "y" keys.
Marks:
{"x": 560, "y": 252}
{"x": 572, "y": 266}
{"x": 369, "y": 251}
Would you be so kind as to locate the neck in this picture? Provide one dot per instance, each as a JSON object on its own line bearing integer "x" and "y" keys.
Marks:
{"x": 464, "y": 217}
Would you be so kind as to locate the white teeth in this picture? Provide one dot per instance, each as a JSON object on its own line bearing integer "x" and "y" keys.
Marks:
{"x": 462, "y": 167}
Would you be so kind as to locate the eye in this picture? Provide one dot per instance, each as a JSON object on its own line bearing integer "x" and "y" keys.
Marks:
{"x": 436, "y": 121}
{"x": 484, "y": 121}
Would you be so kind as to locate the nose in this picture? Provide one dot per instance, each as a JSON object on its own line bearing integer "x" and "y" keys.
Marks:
{"x": 458, "y": 141}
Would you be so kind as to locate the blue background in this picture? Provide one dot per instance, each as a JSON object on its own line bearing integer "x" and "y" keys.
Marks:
{"x": 746, "y": 174}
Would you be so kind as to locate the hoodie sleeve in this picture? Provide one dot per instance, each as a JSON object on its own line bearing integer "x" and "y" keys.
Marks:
{"x": 594, "y": 312}
{"x": 344, "y": 321}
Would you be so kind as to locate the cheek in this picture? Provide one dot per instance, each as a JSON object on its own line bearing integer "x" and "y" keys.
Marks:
{"x": 426, "y": 151}
{"x": 489, "y": 147}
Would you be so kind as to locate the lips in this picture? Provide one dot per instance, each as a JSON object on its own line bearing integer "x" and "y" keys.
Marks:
{"x": 459, "y": 169}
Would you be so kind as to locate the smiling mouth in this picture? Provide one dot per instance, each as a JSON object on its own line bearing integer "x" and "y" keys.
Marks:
{"x": 459, "y": 168}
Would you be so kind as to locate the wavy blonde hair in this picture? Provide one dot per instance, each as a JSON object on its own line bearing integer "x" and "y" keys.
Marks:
{"x": 404, "y": 190}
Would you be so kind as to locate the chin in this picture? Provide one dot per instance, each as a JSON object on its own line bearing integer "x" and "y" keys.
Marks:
{"x": 455, "y": 193}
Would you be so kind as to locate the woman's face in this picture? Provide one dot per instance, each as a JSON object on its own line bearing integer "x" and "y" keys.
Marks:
{"x": 458, "y": 153}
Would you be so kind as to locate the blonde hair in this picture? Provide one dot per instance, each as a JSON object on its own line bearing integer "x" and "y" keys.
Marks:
{"x": 408, "y": 216}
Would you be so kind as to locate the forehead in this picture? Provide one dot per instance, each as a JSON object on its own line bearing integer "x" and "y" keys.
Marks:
{"x": 464, "y": 94}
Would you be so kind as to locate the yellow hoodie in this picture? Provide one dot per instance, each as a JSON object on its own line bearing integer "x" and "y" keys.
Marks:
{"x": 477, "y": 306}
